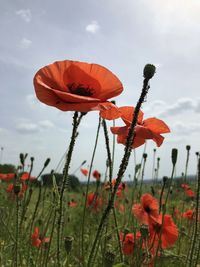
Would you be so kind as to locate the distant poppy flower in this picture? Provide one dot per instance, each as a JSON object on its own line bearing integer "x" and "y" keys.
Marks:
{"x": 93, "y": 201}
{"x": 84, "y": 171}
{"x": 36, "y": 239}
{"x": 168, "y": 231}
{"x": 190, "y": 193}
{"x": 7, "y": 177}
{"x": 96, "y": 174}
{"x": 147, "y": 210}
{"x": 185, "y": 186}
{"x": 189, "y": 214}
{"x": 72, "y": 204}
{"x": 10, "y": 188}
{"x": 128, "y": 242}
{"x": 151, "y": 128}
{"x": 36, "y": 242}
{"x": 75, "y": 86}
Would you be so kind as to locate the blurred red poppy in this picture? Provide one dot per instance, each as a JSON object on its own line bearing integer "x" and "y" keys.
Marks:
{"x": 84, "y": 171}
{"x": 147, "y": 210}
{"x": 167, "y": 229}
{"x": 96, "y": 174}
{"x": 36, "y": 239}
{"x": 189, "y": 214}
{"x": 94, "y": 201}
{"x": 7, "y": 177}
{"x": 75, "y": 86}
{"x": 151, "y": 128}
{"x": 128, "y": 242}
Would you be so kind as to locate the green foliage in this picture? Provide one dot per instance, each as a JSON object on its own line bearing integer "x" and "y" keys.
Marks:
{"x": 7, "y": 168}
{"x": 47, "y": 179}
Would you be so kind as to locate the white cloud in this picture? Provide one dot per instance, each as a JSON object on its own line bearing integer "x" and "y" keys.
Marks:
{"x": 26, "y": 127}
{"x": 181, "y": 128}
{"x": 182, "y": 105}
{"x": 93, "y": 27}
{"x": 46, "y": 124}
{"x": 33, "y": 102}
{"x": 25, "y": 14}
{"x": 25, "y": 43}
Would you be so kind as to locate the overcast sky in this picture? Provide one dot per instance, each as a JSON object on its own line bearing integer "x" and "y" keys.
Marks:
{"x": 120, "y": 35}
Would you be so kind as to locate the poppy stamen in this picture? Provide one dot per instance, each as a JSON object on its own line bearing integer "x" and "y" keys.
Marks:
{"x": 80, "y": 89}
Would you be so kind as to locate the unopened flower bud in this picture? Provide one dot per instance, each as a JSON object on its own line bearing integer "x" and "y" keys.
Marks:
{"x": 109, "y": 259}
{"x": 47, "y": 162}
{"x": 21, "y": 156}
{"x": 17, "y": 189}
{"x": 188, "y": 147}
{"x": 149, "y": 71}
{"x": 68, "y": 243}
{"x": 165, "y": 178}
{"x": 174, "y": 155}
{"x": 145, "y": 155}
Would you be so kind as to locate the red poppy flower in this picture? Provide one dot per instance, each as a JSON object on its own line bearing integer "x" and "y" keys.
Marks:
{"x": 168, "y": 231}
{"x": 72, "y": 204}
{"x": 84, "y": 171}
{"x": 96, "y": 174}
{"x": 36, "y": 239}
{"x": 190, "y": 193}
{"x": 185, "y": 186}
{"x": 10, "y": 188}
{"x": 128, "y": 242}
{"x": 151, "y": 128}
{"x": 7, "y": 177}
{"x": 93, "y": 201}
{"x": 189, "y": 214}
{"x": 76, "y": 86}
{"x": 147, "y": 210}
{"x": 36, "y": 242}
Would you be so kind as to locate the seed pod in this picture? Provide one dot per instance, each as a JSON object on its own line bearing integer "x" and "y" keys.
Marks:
{"x": 68, "y": 243}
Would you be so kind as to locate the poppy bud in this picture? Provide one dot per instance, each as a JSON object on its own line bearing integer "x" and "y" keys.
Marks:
{"x": 109, "y": 259}
{"x": 113, "y": 102}
{"x": 17, "y": 189}
{"x": 165, "y": 178}
{"x": 188, "y": 148}
{"x": 174, "y": 155}
{"x": 145, "y": 155}
{"x": 158, "y": 159}
{"x": 83, "y": 162}
{"x": 154, "y": 150}
{"x": 47, "y": 162}
{"x": 68, "y": 243}
{"x": 144, "y": 230}
{"x": 149, "y": 71}
{"x": 21, "y": 156}
{"x": 197, "y": 154}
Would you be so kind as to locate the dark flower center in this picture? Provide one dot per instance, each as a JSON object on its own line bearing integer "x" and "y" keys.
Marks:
{"x": 147, "y": 209}
{"x": 80, "y": 89}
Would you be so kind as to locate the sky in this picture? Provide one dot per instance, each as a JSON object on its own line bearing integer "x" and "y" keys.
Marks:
{"x": 121, "y": 35}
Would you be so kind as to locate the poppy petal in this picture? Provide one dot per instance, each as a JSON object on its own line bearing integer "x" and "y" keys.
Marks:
{"x": 156, "y": 125}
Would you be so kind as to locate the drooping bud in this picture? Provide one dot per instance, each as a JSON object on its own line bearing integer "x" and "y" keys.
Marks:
{"x": 149, "y": 71}
{"x": 47, "y": 162}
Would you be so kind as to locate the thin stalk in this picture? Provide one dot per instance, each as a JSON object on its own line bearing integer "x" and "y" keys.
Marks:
{"x": 87, "y": 189}
{"x": 65, "y": 181}
{"x": 122, "y": 168}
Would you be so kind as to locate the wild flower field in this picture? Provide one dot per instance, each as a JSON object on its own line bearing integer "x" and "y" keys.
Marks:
{"x": 55, "y": 221}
